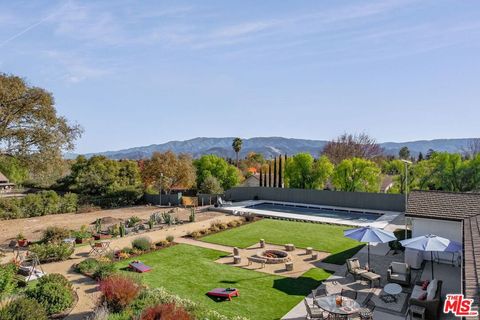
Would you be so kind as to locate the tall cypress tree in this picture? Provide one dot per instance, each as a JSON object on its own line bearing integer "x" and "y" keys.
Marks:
{"x": 275, "y": 172}
{"x": 269, "y": 173}
{"x": 261, "y": 177}
{"x": 280, "y": 182}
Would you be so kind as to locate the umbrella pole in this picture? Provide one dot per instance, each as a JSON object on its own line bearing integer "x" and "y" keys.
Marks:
{"x": 431, "y": 261}
{"x": 368, "y": 256}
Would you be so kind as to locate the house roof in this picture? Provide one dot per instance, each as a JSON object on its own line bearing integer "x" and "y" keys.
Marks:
{"x": 471, "y": 272}
{"x": 443, "y": 205}
{"x": 455, "y": 206}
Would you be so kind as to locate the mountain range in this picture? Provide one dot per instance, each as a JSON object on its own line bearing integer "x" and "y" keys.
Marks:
{"x": 269, "y": 147}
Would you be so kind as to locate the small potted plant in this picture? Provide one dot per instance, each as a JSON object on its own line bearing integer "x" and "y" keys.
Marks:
{"x": 82, "y": 235}
{"x": 21, "y": 240}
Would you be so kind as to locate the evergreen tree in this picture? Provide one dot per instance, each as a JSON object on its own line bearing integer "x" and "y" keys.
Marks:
{"x": 275, "y": 172}
{"x": 420, "y": 157}
{"x": 280, "y": 172}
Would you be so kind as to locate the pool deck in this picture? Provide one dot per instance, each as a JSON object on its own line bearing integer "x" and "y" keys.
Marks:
{"x": 238, "y": 208}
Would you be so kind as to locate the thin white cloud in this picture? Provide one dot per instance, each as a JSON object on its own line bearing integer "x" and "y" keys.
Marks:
{"x": 27, "y": 29}
{"x": 76, "y": 68}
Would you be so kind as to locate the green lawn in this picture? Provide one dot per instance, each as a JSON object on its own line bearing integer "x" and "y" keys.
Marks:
{"x": 190, "y": 272}
{"x": 322, "y": 237}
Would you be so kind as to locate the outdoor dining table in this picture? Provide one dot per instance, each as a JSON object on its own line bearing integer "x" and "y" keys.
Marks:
{"x": 348, "y": 307}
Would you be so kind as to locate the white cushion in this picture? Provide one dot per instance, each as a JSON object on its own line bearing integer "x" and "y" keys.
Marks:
{"x": 399, "y": 277}
{"x": 355, "y": 264}
{"x": 417, "y": 292}
{"x": 432, "y": 289}
{"x": 399, "y": 267}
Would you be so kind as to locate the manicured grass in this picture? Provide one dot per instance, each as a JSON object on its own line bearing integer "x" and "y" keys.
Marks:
{"x": 322, "y": 237}
{"x": 190, "y": 272}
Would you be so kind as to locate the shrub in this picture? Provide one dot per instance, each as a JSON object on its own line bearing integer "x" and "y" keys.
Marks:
{"x": 23, "y": 309}
{"x": 155, "y": 296}
{"x": 170, "y": 238}
{"x": 167, "y": 218}
{"x": 143, "y": 244}
{"x": 167, "y": 311}
{"x": 132, "y": 221}
{"x": 83, "y": 233}
{"x": 69, "y": 203}
{"x": 214, "y": 229}
{"x": 55, "y": 234}
{"x": 232, "y": 224}
{"x": 38, "y": 204}
{"x": 104, "y": 270}
{"x": 87, "y": 266}
{"x": 162, "y": 243}
{"x": 48, "y": 252}
{"x": 195, "y": 234}
{"x": 119, "y": 291}
{"x": 7, "y": 279}
{"x": 53, "y": 292}
{"x": 55, "y": 278}
{"x": 204, "y": 232}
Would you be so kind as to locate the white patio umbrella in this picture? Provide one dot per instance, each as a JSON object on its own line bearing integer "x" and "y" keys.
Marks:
{"x": 370, "y": 235}
{"x": 431, "y": 242}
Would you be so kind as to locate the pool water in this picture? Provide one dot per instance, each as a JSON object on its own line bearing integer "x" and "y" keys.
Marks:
{"x": 317, "y": 211}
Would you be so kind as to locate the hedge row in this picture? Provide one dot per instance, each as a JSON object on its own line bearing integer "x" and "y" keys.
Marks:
{"x": 38, "y": 204}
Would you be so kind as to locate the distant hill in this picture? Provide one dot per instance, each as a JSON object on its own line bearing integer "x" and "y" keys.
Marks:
{"x": 269, "y": 147}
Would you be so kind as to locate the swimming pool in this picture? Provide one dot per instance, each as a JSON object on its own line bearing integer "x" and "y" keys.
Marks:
{"x": 325, "y": 212}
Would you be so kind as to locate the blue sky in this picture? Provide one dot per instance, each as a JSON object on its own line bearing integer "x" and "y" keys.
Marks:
{"x": 141, "y": 72}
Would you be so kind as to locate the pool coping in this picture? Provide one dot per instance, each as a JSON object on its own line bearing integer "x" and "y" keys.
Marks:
{"x": 239, "y": 208}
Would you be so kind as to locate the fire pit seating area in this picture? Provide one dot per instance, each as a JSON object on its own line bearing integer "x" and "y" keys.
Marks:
{"x": 273, "y": 256}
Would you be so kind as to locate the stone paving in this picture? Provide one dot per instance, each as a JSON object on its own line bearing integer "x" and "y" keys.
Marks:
{"x": 380, "y": 258}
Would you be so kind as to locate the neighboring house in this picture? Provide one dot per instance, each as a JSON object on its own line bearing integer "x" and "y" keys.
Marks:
{"x": 252, "y": 181}
{"x": 455, "y": 216}
{"x": 386, "y": 184}
{"x": 5, "y": 184}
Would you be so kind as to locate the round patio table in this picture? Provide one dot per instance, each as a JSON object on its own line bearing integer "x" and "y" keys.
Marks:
{"x": 327, "y": 303}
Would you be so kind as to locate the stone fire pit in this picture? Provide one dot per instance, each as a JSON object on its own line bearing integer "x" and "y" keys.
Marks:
{"x": 274, "y": 256}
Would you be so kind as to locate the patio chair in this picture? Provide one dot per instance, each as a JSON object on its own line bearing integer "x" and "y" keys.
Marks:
{"x": 399, "y": 272}
{"x": 319, "y": 292}
{"x": 433, "y": 300}
{"x": 349, "y": 294}
{"x": 315, "y": 312}
{"x": 354, "y": 268}
{"x": 97, "y": 248}
{"x": 366, "y": 313}
{"x": 222, "y": 203}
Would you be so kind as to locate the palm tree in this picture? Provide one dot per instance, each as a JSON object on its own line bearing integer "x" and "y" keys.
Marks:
{"x": 237, "y": 146}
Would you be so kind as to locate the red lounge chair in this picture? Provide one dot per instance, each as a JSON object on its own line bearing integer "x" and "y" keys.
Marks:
{"x": 224, "y": 293}
{"x": 139, "y": 267}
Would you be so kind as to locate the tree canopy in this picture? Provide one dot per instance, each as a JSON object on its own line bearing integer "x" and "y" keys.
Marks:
{"x": 237, "y": 146}
{"x": 349, "y": 146}
{"x": 168, "y": 170}
{"x": 304, "y": 172}
{"x": 29, "y": 122}
{"x": 99, "y": 176}
{"x": 211, "y": 165}
{"x": 357, "y": 174}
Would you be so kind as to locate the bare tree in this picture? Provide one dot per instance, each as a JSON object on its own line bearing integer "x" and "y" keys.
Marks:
{"x": 472, "y": 148}
{"x": 352, "y": 145}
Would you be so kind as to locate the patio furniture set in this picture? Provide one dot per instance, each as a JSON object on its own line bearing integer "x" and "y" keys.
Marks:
{"x": 340, "y": 306}
{"x": 425, "y": 299}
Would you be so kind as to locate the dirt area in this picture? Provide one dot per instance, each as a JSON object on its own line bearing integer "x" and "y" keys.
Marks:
{"x": 32, "y": 227}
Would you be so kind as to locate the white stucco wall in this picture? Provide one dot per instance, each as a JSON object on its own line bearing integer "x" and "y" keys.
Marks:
{"x": 447, "y": 229}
